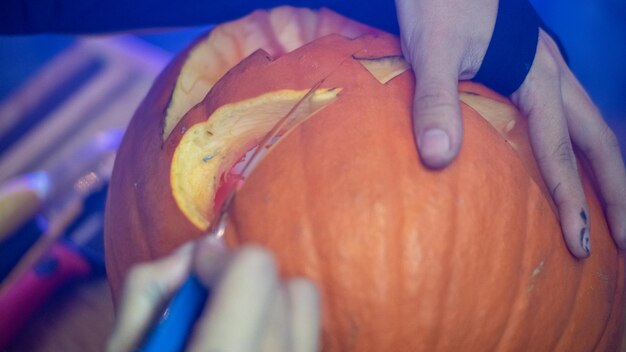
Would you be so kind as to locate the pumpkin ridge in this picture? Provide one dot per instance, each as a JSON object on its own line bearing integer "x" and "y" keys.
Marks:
{"x": 520, "y": 290}
{"x": 614, "y": 337}
{"x": 324, "y": 273}
{"x": 607, "y": 322}
{"x": 399, "y": 248}
{"x": 524, "y": 257}
{"x": 299, "y": 18}
{"x": 566, "y": 319}
{"x": 220, "y": 56}
{"x": 608, "y": 317}
{"x": 310, "y": 224}
{"x": 318, "y": 26}
{"x": 560, "y": 341}
{"x": 274, "y": 44}
{"x": 451, "y": 234}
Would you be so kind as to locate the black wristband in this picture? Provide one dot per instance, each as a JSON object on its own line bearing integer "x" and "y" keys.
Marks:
{"x": 512, "y": 48}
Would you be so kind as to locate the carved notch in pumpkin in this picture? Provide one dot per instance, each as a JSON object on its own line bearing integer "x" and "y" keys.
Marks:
{"x": 385, "y": 68}
{"x": 209, "y": 149}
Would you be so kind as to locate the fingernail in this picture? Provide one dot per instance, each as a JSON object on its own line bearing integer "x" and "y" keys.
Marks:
{"x": 434, "y": 142}
{"x": 585, "y": 242}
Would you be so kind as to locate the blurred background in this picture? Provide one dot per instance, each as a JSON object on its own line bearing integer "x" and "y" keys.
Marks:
{"x": 60, "y": 94}
{"x": 594, "y": 36}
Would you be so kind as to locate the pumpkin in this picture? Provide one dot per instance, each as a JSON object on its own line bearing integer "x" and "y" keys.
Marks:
{"x": 406, "y": 258}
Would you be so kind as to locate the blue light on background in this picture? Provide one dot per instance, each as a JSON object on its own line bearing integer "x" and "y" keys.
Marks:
{"x": 594, "y": 35}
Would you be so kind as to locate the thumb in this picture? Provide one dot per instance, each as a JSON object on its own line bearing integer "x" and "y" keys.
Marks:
{"x": 436, "y": 112}
{"x": 147, "y": 287}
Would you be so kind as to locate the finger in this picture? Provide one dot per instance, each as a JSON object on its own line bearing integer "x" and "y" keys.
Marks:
{"x": 147, "y": 287}
{"x": 305, "y": 317}
{"x": 600, "y": 146}
{"x": 276, "y": 337}
{"x": 210, "y": 260}
{"x": 540, "y": 99}
{"x": 234, "y": 318}
{"x": 436, "y": 112}
{"x": 294, "y": 320}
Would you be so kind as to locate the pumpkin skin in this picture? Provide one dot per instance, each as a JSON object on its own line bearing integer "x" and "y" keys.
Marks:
{"x": 468, "y": 258}
{"x": 142, "y": 220}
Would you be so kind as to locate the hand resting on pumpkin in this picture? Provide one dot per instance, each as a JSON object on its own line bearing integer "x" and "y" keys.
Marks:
{"x": 446, "y": 41}
{"x": 250, "y": 309}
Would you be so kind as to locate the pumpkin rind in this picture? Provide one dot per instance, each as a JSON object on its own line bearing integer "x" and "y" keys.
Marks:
{"x": 468, "y": 258}
{"x": 142, "y": 218}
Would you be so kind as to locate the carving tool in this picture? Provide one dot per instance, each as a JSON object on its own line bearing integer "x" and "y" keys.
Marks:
{"x": 173, "y": 328}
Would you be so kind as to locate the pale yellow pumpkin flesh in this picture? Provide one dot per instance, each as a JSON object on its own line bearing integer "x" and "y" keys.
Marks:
{"x": 209, "y": 149}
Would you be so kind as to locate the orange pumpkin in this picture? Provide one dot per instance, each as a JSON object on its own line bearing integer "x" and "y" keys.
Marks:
{"x": 467, "y": 258}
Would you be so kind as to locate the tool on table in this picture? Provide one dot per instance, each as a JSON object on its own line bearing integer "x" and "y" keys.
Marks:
{"x": 78, "y": 255}
{"x": 47, "y": 201}
{"x": 172, "y": 330}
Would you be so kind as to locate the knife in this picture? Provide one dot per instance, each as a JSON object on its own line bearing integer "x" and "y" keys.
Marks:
{"x": 42, "y": 201}
{"x": 171, "y": 331}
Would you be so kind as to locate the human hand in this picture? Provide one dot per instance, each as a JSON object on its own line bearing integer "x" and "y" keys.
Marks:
{"x": 251, "y": 308}
{"x": 446, "y": 41}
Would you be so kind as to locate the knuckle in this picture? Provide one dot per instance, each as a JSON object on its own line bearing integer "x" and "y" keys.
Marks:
{"x": 547, "y": 71}
{"x": 562, "y": 156}
{"x": 434, "y": 97}
{"x": 472, "y": 60}
{"x": 604, "y": 144}
{"x": 608, "y": 139}
{"x": 567, "y": 195}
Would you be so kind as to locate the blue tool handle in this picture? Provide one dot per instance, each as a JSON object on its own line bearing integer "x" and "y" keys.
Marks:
{"x": 172, "y": 331}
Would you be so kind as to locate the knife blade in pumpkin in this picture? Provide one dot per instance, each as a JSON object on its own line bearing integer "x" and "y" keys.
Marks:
{"x": 171, "y": 331}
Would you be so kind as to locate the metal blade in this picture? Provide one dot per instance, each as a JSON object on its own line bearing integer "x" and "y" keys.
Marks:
{"x": 265, "y": 145}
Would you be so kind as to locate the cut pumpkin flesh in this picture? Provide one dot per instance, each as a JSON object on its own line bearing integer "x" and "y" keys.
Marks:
{"x": 209, "y": 149}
